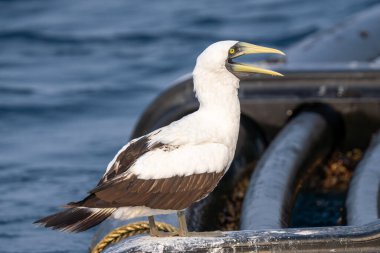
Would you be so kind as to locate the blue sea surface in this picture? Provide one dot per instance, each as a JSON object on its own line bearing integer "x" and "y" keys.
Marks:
{"x": 76, "y": 75}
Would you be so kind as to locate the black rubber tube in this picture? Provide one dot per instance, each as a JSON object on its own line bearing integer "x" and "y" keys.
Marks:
{"x": 363, "y": 201}
{"x": 306, "y": 138}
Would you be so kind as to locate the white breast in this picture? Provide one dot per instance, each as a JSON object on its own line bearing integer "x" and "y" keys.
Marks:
{"x": 183, "y": 161}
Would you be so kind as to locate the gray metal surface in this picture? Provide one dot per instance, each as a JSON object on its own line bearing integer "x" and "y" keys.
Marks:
{"x": 363, "y": 201}
{"x": 304, "y": 139}
{"x": 310, "y": 240}
{"x": 357, "y": 39}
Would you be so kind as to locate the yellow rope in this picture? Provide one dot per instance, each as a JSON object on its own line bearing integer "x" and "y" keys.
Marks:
{"x": 129, "y": 230}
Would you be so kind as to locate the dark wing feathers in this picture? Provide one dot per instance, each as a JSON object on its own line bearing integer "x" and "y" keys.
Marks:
{"x": 117, "y": 190}
{"x": 175, "y": 193}
{"x": 128, "y": 157}
{"x": 76, "y": 219}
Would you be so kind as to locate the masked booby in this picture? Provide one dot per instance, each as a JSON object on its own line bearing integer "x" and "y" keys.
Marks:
{"x": 169, "y": 169}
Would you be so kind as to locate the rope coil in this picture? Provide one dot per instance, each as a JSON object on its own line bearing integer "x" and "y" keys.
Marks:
{"x": 129, "y": 230}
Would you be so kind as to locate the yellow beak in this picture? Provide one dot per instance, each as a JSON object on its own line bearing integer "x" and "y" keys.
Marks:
{"x": 243, "y": 48}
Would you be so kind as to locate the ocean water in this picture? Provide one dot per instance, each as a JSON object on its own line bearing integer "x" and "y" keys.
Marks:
{"x": 76, "y": 75}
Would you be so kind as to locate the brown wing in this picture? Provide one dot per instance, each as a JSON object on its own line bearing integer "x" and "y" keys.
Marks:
{"x": 174, "y": 193}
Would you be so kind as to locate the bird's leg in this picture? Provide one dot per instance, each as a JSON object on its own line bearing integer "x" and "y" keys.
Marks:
{"x": 154, "y": 230}
{"x": 152, "y": 226}
{"x": 182, "y": 224}
{"x": 184, "y": 232}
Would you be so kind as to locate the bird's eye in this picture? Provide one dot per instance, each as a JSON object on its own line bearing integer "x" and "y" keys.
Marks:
{"x": 232, "y": 51}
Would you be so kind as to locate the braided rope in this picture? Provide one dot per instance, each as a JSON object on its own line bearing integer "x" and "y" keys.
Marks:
{"x": 128, "y": 230}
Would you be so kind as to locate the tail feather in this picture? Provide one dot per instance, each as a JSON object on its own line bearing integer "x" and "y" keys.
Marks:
{"x": 76, "y": 219}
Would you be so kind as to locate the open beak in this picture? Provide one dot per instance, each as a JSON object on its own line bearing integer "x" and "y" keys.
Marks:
{"x": 243, "y": 48}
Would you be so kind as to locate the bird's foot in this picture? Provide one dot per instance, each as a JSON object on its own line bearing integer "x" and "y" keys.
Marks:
{"x": 163, "y": 234}
{"x": 187, "y": 234}
{"x": 202, "y": 234}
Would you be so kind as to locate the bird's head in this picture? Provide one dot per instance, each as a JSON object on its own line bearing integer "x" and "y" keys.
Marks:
{"x": 220, "y": 57}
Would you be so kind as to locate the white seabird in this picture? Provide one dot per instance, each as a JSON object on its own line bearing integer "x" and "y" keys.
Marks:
{"x": 169, "y": 169}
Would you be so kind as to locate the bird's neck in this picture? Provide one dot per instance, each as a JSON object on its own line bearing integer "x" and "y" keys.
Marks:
{"x": 219, "y": 105}
{"x": 217, "y": 91}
